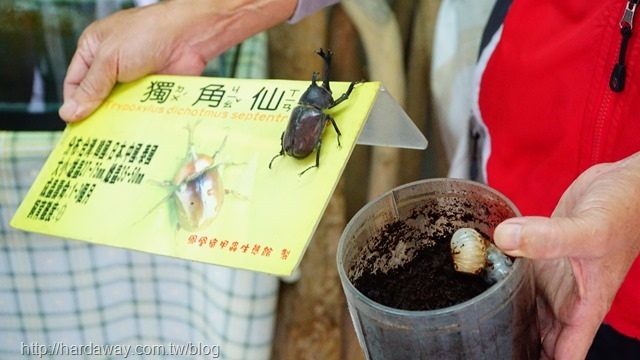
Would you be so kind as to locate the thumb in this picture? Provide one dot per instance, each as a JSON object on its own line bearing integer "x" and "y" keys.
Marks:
{"x": 541, "y": 237}
{"x": 86, "y": 86}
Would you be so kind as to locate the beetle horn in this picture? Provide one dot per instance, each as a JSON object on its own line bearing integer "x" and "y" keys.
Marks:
{"x": 314, "y": 78}
{"x": 327, "y": 67}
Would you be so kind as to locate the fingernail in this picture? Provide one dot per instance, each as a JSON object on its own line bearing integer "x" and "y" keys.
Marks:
{"x": 68, "y": 110}
{"x": 507, "y": 235}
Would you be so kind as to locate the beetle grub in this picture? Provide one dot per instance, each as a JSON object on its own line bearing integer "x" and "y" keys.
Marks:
{"x": 428, "y": 281}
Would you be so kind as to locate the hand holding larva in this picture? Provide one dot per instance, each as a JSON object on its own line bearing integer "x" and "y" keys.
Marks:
{"x": 472, "y": 254}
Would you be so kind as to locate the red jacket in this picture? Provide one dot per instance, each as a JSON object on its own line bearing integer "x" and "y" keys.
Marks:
{"x": 545, "y": 101}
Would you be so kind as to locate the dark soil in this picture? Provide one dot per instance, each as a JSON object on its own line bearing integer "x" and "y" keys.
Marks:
{"x": 427, "y": 282}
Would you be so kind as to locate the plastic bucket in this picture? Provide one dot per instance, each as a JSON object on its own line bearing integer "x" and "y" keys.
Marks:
{"x": 500, "y": 323}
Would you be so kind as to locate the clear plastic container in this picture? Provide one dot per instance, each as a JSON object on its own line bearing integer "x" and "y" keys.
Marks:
{"x": 500, "y": 323}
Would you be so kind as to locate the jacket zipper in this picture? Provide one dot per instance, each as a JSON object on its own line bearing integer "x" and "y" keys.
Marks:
{"x": 618, "y": 75}
{"x": 616, "y": 84}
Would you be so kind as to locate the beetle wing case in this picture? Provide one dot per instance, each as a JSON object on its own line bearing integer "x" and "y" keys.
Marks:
{"x": 306, "y": 126}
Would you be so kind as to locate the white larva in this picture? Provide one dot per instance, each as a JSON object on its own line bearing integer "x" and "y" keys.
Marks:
{"x": 472, "y": 254}
{"x": 469, "y": 251}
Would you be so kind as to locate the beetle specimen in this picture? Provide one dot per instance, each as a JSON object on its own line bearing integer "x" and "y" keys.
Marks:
{"x": 197, "y": 189}
{"x": 308, "y": 120}
{"x": 473, "y": 254}
{"x": 198, "y": 193}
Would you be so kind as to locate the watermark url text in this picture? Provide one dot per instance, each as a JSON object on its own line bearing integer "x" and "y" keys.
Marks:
{"x": 125, "y": 351}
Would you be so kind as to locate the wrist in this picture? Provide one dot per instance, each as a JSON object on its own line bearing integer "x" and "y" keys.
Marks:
{"x": 213, "y": 26}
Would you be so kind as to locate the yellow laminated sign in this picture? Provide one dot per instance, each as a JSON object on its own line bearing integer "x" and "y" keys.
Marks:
{"x": 179, "y": 166}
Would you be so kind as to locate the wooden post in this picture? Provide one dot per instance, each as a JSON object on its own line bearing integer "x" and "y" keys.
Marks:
{"x": 313, "y": 321}
{"x": 432, "y": 162}
{"x": 380, "y": 34}
{"x": 310, "y": 320}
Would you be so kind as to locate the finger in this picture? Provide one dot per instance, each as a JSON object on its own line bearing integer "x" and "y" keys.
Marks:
{"x": 77, "y": 70}
{"x": 573, "y": 342}
{"x": 87, "y": 84}
{"x": 544, "y": 238}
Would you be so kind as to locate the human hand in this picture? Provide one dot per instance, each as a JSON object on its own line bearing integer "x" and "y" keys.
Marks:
{"x": 581, "y": 254}
{"x": 171, "y": 37}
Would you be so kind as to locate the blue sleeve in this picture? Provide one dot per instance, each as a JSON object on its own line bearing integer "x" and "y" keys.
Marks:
{"x": 308, "y": 7}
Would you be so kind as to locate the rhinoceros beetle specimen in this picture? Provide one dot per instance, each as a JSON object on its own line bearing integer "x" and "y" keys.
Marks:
{"x": 197, "y": 188}
{"x": 308, "y": 120}
{"x": 198, "y": 191}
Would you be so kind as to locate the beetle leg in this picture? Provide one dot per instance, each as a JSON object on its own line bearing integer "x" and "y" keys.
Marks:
{"x": 191, "y": 150}
{"x": 237, "y": 194}
{"x": 318, "y": 146}
{"x": 281, "y": 150}
{"x": 273, "y": 158}
{"x": 335, "y": 126}
{"x": 346, "y": 95}
{"x": 224, "y": 142}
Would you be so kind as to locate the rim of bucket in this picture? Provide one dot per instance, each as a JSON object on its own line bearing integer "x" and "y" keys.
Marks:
{"x": 517, "y": 264}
